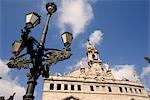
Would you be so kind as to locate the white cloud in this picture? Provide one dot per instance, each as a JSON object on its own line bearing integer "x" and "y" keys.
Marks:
{"x": 9, "y": 86}
{"x": 72, "y": 15}
{"x": 145, "y": 71}
{"x": 96, "y": 37}
{"x": 77, "y": 65}
{"x": 42, "y": 5}
{"x": 84, "y": 62}
{"x": 124, "y": 71}
{"x": 145, "y": 77}
{"x": 4, "y": 70}
{"x": 75, "y": 15}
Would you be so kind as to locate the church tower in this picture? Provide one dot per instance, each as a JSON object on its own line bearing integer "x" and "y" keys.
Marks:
{"x": 94, "y": 61}
{"x": 97, "y": 69}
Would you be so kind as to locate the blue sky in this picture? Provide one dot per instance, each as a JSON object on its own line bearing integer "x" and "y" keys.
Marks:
{"x": 124, "y": 24}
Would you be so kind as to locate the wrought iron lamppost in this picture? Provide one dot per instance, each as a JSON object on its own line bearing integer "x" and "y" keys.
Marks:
{"x": 37, "y": 58}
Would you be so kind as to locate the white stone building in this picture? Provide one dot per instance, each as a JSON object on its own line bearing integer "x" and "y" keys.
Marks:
{"x": 93, "y": 83}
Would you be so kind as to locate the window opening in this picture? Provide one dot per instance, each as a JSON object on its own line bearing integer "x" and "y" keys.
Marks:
{"x": 92, "y": 88}
{"x": 72, "y": 87}
{"x": 65, "y": 87}
{"x": 131, "y": 90}
{"x": 135, "y": 90}
{"x": 120, "y": 88}
{"x": 58, "y": 86}
{"x": 109, "y": 89}
{"x": 126, "y": 89}
{"x": 140, "y": 90}
{"x": 79, "y": 87}
{"x": 51, "y": 86}
{"x": 103, "y": 86}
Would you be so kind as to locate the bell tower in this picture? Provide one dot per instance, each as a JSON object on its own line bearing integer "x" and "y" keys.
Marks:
{"x": 97, "y": 69}
{"x": 94, "y": 60}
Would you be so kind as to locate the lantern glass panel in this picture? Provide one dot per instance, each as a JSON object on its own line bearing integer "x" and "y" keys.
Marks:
{"x": 17, "y": 47}
{"x": 32, "y": 19}
{"x": 67, "y": 38}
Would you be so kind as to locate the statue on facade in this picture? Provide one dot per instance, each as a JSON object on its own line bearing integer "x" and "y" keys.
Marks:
{"x": 82, "y": 70}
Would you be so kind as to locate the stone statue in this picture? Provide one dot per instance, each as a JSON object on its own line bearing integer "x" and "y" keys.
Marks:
{"x": 82, "y": 69}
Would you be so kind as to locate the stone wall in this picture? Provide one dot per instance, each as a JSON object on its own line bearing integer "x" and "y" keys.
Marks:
{"x": 92, "y": 90}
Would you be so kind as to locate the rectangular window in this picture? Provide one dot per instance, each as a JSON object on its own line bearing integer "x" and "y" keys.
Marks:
{"x": 92, "y": 88}
{"x": 58, "y": 86}
{"x": 97, "y": 86}
{"x": 79, "y": 87}
{"x": 103, "y": 87}
{"x": 51, "y": 86}
{"x": 109, "y": 89}
{"x": 72, "y": 87}
{"x": 120, "y": 88}
{"x": 65, "y": 87}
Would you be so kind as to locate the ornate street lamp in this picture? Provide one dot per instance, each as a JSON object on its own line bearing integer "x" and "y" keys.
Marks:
{"x": 37, "y": 58}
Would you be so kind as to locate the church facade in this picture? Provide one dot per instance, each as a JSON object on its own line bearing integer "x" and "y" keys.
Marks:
{"x": 95, "y": 82}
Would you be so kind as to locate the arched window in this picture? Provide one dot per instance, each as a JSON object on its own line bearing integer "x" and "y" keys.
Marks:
{"x": 71, "y": 98}
{"x": 126, "y": 89}
{"x": 132, "y": 99}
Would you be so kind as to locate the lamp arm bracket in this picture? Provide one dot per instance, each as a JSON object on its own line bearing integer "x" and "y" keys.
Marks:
{"x": 24, "y": 33}
{"x": 19, "y": 62}
{"x": 52, "y": 49}
{"x": 56, "y": 56}
{"x": 16, "y": 57}
{"x": 34, "y": 40}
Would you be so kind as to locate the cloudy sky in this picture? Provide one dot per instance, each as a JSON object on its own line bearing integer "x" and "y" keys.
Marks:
{"x": 119, "y": 29}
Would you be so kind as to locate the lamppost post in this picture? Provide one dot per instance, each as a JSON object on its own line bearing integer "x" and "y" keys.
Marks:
{"x": 51, "y": 8}
{"x": 40, "y": 58}
{"x": 42, "y": 40}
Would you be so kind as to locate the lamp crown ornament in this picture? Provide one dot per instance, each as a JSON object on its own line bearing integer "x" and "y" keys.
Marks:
{"x": 51, "y": 7}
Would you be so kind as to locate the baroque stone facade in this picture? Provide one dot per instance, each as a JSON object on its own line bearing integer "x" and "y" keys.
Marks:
{"x": 95, "y": 82}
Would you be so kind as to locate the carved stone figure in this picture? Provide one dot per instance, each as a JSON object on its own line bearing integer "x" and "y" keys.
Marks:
{"x": 82, "y": 70}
